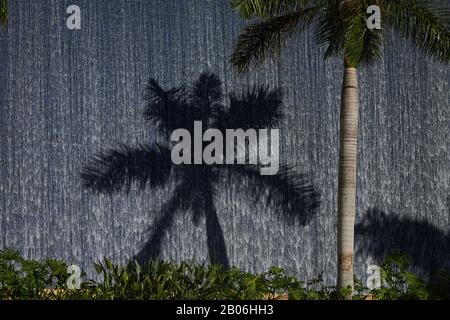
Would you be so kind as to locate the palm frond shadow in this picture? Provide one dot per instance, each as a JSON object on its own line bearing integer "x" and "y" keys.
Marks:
{"x": 292, "y": 194}
{"x": 380, "y": 234}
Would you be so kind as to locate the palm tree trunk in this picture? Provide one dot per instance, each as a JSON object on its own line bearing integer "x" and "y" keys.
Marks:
{"x": 347, "y": 176}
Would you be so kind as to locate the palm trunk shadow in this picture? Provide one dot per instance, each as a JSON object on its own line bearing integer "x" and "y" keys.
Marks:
{"x": 214, "y": 236}
{"x": 152, "y": 248}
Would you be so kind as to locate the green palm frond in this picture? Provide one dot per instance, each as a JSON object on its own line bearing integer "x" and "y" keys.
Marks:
{"x": 249, "y": 9}
{"x": 425, "y": 23}
{"x": 341, "y": 26}
{"x": 3, "y": 12}
{"x": 330, "y": 28}
{"x": 361, "y": 44}
{"x": 266, "y": 38}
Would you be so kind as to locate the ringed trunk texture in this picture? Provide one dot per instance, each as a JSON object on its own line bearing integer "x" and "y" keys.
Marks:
{"x": 347, "y": 177}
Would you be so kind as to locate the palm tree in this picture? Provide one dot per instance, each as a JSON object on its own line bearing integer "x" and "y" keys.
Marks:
{"x": 151, "y": 165}
{"x": 341, "y": 26}
{"x": 3, "y": 12}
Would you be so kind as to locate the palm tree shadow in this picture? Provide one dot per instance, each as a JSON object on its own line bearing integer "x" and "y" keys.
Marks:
{"x": 198, "y": 197}
{"x": 187, "y": 197}
{"x": 380, "y": 234}
{"x": 152, "y": 248}
{"x": 292, "y": 194}
{"x": 215, "y": 239}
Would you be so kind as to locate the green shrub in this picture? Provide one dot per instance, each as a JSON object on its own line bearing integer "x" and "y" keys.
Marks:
{"x": 46, "y": 279}
{"x": 398, "y": 283}
{"x": 27, "y": 279}
{"x": 167, "y": 280}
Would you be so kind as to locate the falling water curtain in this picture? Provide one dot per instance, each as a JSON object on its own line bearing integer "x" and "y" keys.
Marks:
{"x": 67, "y": 94}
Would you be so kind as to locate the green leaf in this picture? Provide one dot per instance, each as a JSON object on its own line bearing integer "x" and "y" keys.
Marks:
{"x": 425, "y": 23}
{"x": 249, "y": 9}
{"x": 98, "y": 267}
{"x": 265, "y": 38}
{"x": 361, "y": 44}
{"x": 108, "y": 264}
{"x": 3, "y": 12}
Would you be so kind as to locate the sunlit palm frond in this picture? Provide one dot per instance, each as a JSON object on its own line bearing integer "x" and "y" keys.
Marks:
{"x": 267, "y": 8}
{"x": 116, "y": 169}
{"x": 425, "y": 23}
{"x": 361, "y": 44}
{"x": 330, "y": 28}
{"x": 266, "y": 38}
{"x": 341, "y": 26}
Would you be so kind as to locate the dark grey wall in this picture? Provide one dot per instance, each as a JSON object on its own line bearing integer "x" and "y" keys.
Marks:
{"x": 70, "y": 94}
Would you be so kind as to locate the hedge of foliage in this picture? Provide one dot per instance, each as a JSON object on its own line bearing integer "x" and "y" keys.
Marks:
{"x": 46, "y": 279}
